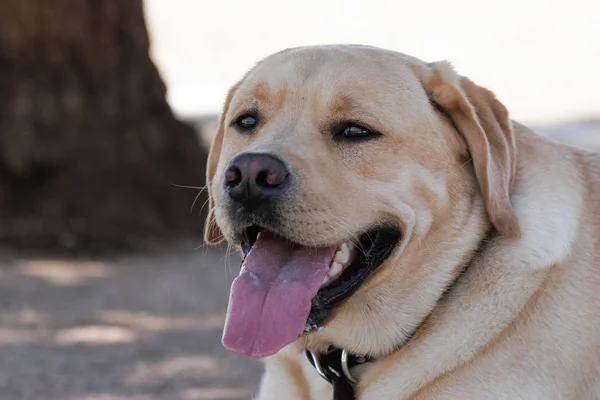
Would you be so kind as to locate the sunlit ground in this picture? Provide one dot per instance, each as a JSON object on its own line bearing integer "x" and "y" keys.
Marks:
{"x": 135, "y": 328}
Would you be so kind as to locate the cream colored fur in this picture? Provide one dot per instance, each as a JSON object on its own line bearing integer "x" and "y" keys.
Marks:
{"x": 523, "y": 319}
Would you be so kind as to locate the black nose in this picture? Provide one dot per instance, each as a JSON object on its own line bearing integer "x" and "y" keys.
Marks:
{"x": 252, "y": 178}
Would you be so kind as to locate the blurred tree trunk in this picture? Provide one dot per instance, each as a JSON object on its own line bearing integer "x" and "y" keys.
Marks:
{"x": 88, "y": 143}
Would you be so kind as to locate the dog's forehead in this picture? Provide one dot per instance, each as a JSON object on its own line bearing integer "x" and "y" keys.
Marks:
{"x": 328, "y": 73}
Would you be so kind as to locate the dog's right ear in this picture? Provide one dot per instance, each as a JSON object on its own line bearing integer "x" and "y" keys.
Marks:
{"x": 212, "y": 233}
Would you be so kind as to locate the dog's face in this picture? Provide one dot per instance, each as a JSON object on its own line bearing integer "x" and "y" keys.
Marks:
{"x": 357, "y": 182}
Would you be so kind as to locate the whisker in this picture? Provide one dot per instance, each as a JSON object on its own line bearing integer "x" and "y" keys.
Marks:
{"x": 354, "y": 236}
{"x": 195, "y": 200}
{"x": 190, "y": 187}
{"x": 339, "y": 222}
{"x": 203, "y": 205}
{"x": 200, "y": 189}
{"x": 228, "y": 260}
{"x": 202, "y": 246}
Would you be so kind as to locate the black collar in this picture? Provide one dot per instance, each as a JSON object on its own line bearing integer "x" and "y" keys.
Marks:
{"x": 334, "y": 366}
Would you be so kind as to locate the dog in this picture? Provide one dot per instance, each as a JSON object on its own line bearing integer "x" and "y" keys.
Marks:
{"x": 390, "y": 212}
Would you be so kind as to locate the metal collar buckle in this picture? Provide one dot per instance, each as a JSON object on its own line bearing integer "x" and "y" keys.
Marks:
{"x": 336, "y": 362}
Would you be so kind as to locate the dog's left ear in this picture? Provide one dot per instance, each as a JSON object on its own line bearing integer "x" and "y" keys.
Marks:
{"x": 485, "y": 125}
{"x": 212, "y": 233}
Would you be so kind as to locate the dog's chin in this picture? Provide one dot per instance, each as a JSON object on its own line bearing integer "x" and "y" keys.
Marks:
{"x": 352, "y": 264}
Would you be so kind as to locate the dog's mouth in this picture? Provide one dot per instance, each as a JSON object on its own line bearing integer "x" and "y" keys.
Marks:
{"x": 285, "y": 289}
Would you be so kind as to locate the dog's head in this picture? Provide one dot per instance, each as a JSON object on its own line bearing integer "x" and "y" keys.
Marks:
{"x": 358, "y": 183}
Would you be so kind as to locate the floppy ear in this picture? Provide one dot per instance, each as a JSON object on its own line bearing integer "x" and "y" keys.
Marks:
{"x": 212, "y": 233}
{"x": 486, "y": 127}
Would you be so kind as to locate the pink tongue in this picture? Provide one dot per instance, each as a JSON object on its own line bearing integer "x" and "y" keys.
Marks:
{"x": 271, "y": 298}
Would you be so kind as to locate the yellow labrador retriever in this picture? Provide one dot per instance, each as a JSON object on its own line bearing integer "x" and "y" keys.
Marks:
{"x": 402, "y": 237}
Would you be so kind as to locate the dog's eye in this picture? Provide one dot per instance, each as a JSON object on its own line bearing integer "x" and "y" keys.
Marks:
{"x": 354, "y": 131}
{"x": 246, "y": 122}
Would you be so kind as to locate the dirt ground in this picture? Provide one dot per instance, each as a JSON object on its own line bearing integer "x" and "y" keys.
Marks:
{"x": 141, "y": 327}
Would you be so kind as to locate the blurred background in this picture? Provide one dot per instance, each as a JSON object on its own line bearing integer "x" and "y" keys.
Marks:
{"x": 106, "y": 111}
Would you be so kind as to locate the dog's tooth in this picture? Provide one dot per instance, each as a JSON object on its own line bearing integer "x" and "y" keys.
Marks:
{"x": 325, "y": 280}
{"x": 337, "y": 257}
{"x": 343, "y": 254}
{"x": 335, "y": 269}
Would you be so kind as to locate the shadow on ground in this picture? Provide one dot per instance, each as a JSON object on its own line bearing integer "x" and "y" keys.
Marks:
{"x": 127, "y": 328}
